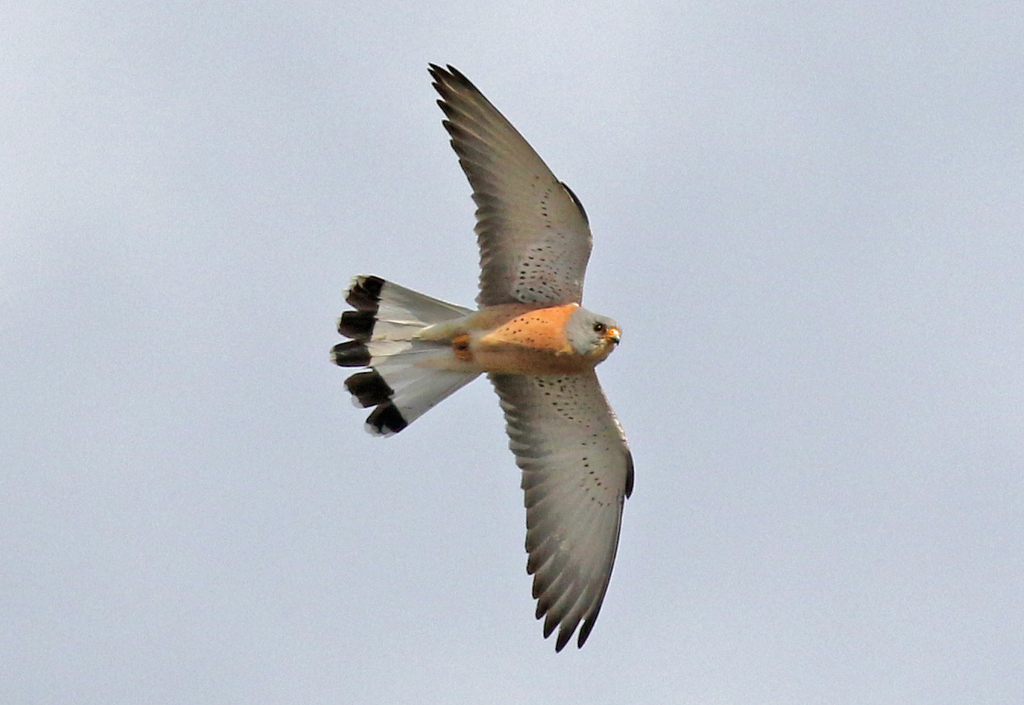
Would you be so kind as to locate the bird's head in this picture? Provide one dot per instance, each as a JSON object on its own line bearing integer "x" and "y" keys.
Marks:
{"x": 592, "y": 335}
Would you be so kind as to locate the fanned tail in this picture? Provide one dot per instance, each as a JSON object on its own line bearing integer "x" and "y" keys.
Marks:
{"x": 403, "y": 381}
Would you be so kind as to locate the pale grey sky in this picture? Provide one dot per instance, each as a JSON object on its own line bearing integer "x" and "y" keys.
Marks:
{"x": 808, "y": 219}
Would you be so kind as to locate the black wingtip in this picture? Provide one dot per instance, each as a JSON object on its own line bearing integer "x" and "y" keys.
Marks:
{"x": 459, "y": 76}
{"x": 629, "y": 474}
{"x": 439, "y": 75}
{"x": 563, "y": 638}
{"x": 448, "y": 76}
{"x": 588, "y": 626}
{"x": 577, "y": 201}
{"x": 549, "y": 627}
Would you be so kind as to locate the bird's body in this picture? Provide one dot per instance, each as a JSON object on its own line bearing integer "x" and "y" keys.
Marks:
{"x": 515, "y": 339}
{"x": 533, "y": 339}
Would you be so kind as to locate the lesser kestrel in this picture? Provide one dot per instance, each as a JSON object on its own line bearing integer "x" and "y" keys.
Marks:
{"x": 535, "y": 342}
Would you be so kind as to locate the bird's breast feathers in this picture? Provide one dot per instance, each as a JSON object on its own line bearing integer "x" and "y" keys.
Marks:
{"x": 512, "y": 339}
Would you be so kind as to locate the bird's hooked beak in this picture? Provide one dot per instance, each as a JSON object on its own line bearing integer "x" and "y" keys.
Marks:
{"x": 613, "y": 336}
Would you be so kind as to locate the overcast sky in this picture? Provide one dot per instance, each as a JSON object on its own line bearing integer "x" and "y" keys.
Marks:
{"x": 808, "y": 219}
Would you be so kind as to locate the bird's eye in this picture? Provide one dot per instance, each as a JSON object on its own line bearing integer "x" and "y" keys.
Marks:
{"x": 599, "y": 327}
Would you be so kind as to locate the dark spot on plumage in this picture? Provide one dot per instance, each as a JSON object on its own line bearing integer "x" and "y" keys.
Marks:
{"x": 369, "y": 388}
{"x": 387, "y": 419}
{"x": 351, "y": 353}
{"x": 365, "y": 294}
{"x": 357, "y": 325}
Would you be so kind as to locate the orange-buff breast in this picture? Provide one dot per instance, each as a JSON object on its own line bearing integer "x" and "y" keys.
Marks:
{"x": 541, "y": 330}
{"x": 531, "y": 343}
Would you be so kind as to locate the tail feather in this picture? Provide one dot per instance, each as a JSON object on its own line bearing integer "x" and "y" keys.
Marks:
{"x": 402, "y": 383}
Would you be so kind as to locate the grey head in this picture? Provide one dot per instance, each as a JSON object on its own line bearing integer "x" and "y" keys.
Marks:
{"x": 591, "y": 334}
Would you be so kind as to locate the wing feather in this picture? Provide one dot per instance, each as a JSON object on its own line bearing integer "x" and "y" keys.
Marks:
{"x": 577, "y": 473}
{"x": 532, "y": 230}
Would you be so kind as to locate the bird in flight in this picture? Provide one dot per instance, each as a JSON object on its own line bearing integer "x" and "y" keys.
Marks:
{"x": 535, "y": 342}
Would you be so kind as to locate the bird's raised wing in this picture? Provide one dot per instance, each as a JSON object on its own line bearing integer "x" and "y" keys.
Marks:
{"x": 577, "y": 472}
{"x": 532, "y": 230}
